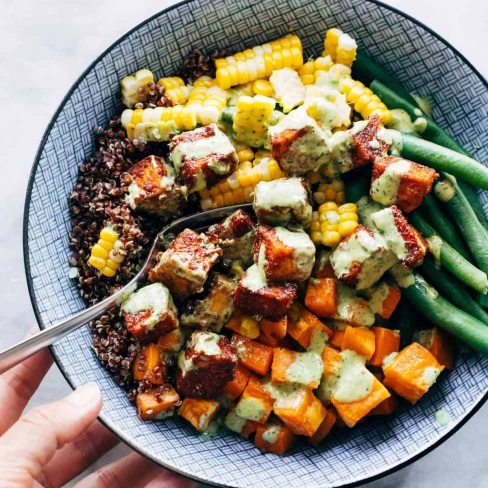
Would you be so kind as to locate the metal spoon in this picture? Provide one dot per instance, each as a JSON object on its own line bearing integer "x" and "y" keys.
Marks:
{"x": 23, "y": 350}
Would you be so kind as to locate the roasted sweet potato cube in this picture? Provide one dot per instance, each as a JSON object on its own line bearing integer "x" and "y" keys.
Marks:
{"x": 438, "y": 343}
{"x": 386, "y": 407}
{"x": 149, "y": 365}
{"x": 287, "y": 255}
{"x": 234, "y": 388}
{"x": 304, "y": 368}
{"x": 172, "y": 341}
{"x": 387, "y": 341}
{"x": 404, "y": 241}
{"x": 157, "y": 403}
{"x": 199, "y": 412}
{"x": 275, "y": 438}
{"x": 272, "y": 332}
{"x": 185, "y": 265}
{"x": 412, "y": 372}
{"x": 243, "y": 325}
{"x": 239, "y": 425}
{"x": 214, "y": 309}
{"x": 321, "y": 297}
{"x": 361, "y": 259}
{"x": 152, "y": 188}
{"x": 336, "y": 339}
{"x": 255, "y": 297}
{"x": 332, "y": 361}
{"x": 383, "y": 299}
{"x": 254, "y": 356}
{"x": 256, "y": 402}
{"x": 284, "y": 201}
{"x": 400, "y": 182}
{"x": 150, "y": 312}
{"x": 202, "y": 157}
{"x": 322, "y": 267}
{"x": 361, "y": 340}
{"x": 353, "y": 309}
{"x": 324, "y": 429}
{"x": 301, "y": 411}
{"x": 205, "y": 365}
{"x": 307, "y": 329}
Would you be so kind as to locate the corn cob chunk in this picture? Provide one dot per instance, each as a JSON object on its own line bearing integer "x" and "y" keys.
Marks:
{"x": 332, "y": 223}
{"x": 263, "y": 87}
{"x": 346, "y": 50}
{"x": 239, "y": 187}
{"x": 175, "y": 89}
{"x": 311, "y": 70}
{"x": 259, "y": 62}
{"x": 108, "y": 253}
{"x": 134, "y": 87}
{"x": 364, "y": 100}
{"x": 331, "y": 42}
{"x": 330, "y": 192}
{"x": 252, "y": 118}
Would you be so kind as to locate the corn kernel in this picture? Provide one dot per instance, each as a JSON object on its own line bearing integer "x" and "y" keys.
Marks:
{"x": 316, "y": 237}
{"x": 319, "y": 197}
{"x": 99, "y": 252}
{"x": 248, "y": 194}
{"x": 341, "y": 197}
{"x": 328, "y": 206}
{"x": 330, "y": 195}
{"x": 239, "y": 196}
{"x": 349, "y": 216}
{"x": 214, "y": 191}
{"x": 331, "y": 239}
{"x": 228, "y": 198}
{"x": 224, "y": 186}
{"x": 313, "y": 177}
{"x": 116, "y": 257}
{"x": 346, "y": 228}
{"x": 98, "y": 263}
{"x": 250, "y": 327}
{"x": 338, "y": 185}
{"x": 347, "y": 208}
{"x": 106, "y": 245}
{"x": 112, "y": 264}
{"x": 219, "y": 200}
{"x": 204, "y": 193}
{"x": 109, "y": 272}
{"x": 263, "y": 87}
{"x": 108, "y": 234}
{"x": 328, "y": 226}
{"x": 307, "y": 79}
{"x": 245, "y": 155}
{"x": 315, "y": 226}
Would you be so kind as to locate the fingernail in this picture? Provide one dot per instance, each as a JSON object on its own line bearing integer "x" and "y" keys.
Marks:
{"x": 86, "y": 395}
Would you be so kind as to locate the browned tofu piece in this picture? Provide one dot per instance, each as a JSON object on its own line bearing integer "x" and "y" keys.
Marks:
{"x": 185, "y": 265}
{"x": 368, "y": 144}
{"x": 403, "y": 240}
{"x": 254, "y": 296}
{"x": 213, "y": 310}
{"x": 287, "y": 255}
{"x": 205, "y": 365}
{"x": 152, "y": 188}
{"x": 150, "y": 312}
{"x": 400, "y": 182}
{"x": 158, "y": 403}
{"x": 235, "y": 236}
{"x": 202, "y": 157}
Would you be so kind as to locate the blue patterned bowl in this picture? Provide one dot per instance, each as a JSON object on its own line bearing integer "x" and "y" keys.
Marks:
{"x": 422, "y": 60}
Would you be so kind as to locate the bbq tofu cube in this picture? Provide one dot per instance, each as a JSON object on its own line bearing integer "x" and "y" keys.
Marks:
{"x": 404, "y": 241}
{"x": 205, "y": 365}
{"x": 298, "y": 143}
{"x": 152, "y": 188}
{"x": 185, "y": 265}
{"x": 202, "y": 157}
{"x": 215, "y": 309}
{"x": 287, "y": 255}
{"x": 400, "y": 182}
{"x": 282, "y": 202}
{"x": 361, "y": 258}
{"x": 235, "y": 235}
{"x": 254, "y": 296}
{"x": 150, "y": 312}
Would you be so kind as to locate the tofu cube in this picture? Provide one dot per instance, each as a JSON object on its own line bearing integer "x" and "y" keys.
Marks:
{"x": 283, "y": 202}
{"x": 205, "y": 365}
{"x": 361, "y": 259}
{"x": 235, "y": 236}
{"x": 158, "y": 403}
{"x": 215, "y": 309}
{"x": 287, "y": 255}
{"x": 184, "y": 267}
{"x": 202, "y": 157}
{"x": 199, "y": 412}
{"x": 298, "y": 143}
{"x": 150, "y": 312}
{"x": 400, "y": 182}
{"x": 152, "y": 188}
{"x": 403, "y": 240}
{"x": 254, "y": 296}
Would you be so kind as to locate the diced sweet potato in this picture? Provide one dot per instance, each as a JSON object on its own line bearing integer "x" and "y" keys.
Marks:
{"x": 321, "y": 297}
{"x": 353, "y": 309}
{"x": 386, "y": 407}
{"x": 412, "y": 372}
{"x": 332, "y": 360}
{"x": 254, "y": 356}
{"x": 324, "y": 429}
{"x": 383, "y": 299}
{"x": 200, "y": 413}
{"x": 361, "y": 340}
{"x": 396, "y": 181}
{"x": 149, "y": 365}
{"x": 275, "y": 438}
{"x": 239, "y": 425}
{"x": 336, "y": 339}
{"x": 322, "y": 267}
{"x": 185, "y": 265}
{"x": 157, "y": 403}
{"x": 237, "y": 384}
{"x": 438, "y": 343}
{"x": 304, "y": 368}
{"x": 272, "y": 332}
{"x": 304, "y": 327}
{"x": 256, "y": 402}
{"x": 243, "y": 325}
{"x": 172, "y": 341}
{"x": 386, "y": 342}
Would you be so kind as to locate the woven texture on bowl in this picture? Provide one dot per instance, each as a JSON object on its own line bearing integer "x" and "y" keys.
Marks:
{"x": 422, "y": 61}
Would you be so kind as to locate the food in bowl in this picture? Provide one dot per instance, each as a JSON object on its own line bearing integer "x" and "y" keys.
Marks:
{"x": 282, "y": 322}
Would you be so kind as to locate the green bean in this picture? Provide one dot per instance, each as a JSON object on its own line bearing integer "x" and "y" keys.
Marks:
{"x": 356, "y": 189}
{"x": 432, "y": 212}
{"x": 474, "y": 201}
{"x": 452, "y": 289}
{"x": 445, "y": 315}
{"x": 450, "y": 258}
{"x": 404, "y": 319}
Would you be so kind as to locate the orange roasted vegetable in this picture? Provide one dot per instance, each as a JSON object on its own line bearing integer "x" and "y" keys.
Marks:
{"x": 272, "y": 332}
{"x": 244, "y": 325}
{"x": 256, "y": 402}
{"x": 321, "y": 297}
{"x": 296, "y": 367}
{"x": 335, "y": 340}
{"x": 275, "y": 438}
{"x": 254, "y": 356}
{"x": 237, "y": 384}
{"x": 157, "y": 402}
{"x": 438, "y": 343}
{"x": 360, "y": 340}
{"x": 324, "y": 429}
{"x": 383, "y": 299}
{"x": 172, "y": 341}
{"x": 149, "y": 365}
{"x": 199, "y": 412}
{"x": 386, "y": 342}
{"x": 303, "y": 325}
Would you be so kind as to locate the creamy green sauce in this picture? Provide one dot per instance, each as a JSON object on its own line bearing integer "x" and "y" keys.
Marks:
{"x": 284, "y": 192}
{"x": 286, "y": 396}
{"x": 234, "y": 422}
{"x": 303, "y": 249}
{"x": 306, "y": 369}
{"x": 403, "y": 277}
{"x": 435, "y": 246}
{"x": 350, "y": 305}
{"x": 384, "y": 220}
{"x": 385, "y": 188}
{"x": 288, "y": 88}
{"x": 318, "y": 341}
{"x": 366, "y": 208}
{"x": 271, "y": 434}
{"x": 203, "y": 343}
{"x": 377, "y": 296}
{"x": 254, "y": 279}
{"x": 442, "y": 417}
{"x": 250, "y": 408}
{"x": 340, "y": 145}
{"x": 445, "y": 190}
{"x": 430, "y": 375}
{"x": 355, "y": 382}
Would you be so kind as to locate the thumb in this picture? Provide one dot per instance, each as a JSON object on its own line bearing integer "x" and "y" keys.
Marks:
{"x": 32, "y": 441}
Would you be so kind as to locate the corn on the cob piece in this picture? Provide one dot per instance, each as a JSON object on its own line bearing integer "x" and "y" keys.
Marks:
{"x": 288, "y": 87}
{"x": 330, "y": 192}
{"x": 263, "y": 87}
{"x": 252, "y": 118}
{"x": 108, "y": 253}
{"x": 331, "y": 42}
{"x": 239, "y": 187}
{"x": 331, "y": 224}
{"x": 340, "y": 47}
{"x": 175, "y": 89}
{"x": 134, "y": 87}
{"x": 311, "y": 70}
{"x": 259, "y": 62}
{"x": 364, "y": 100}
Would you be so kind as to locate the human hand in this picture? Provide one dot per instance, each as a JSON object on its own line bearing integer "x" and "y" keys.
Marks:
{"x": 52, "y": 444}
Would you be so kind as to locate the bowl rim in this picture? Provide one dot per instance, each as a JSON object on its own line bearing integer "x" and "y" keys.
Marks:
{"x": 25, "y": 245}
